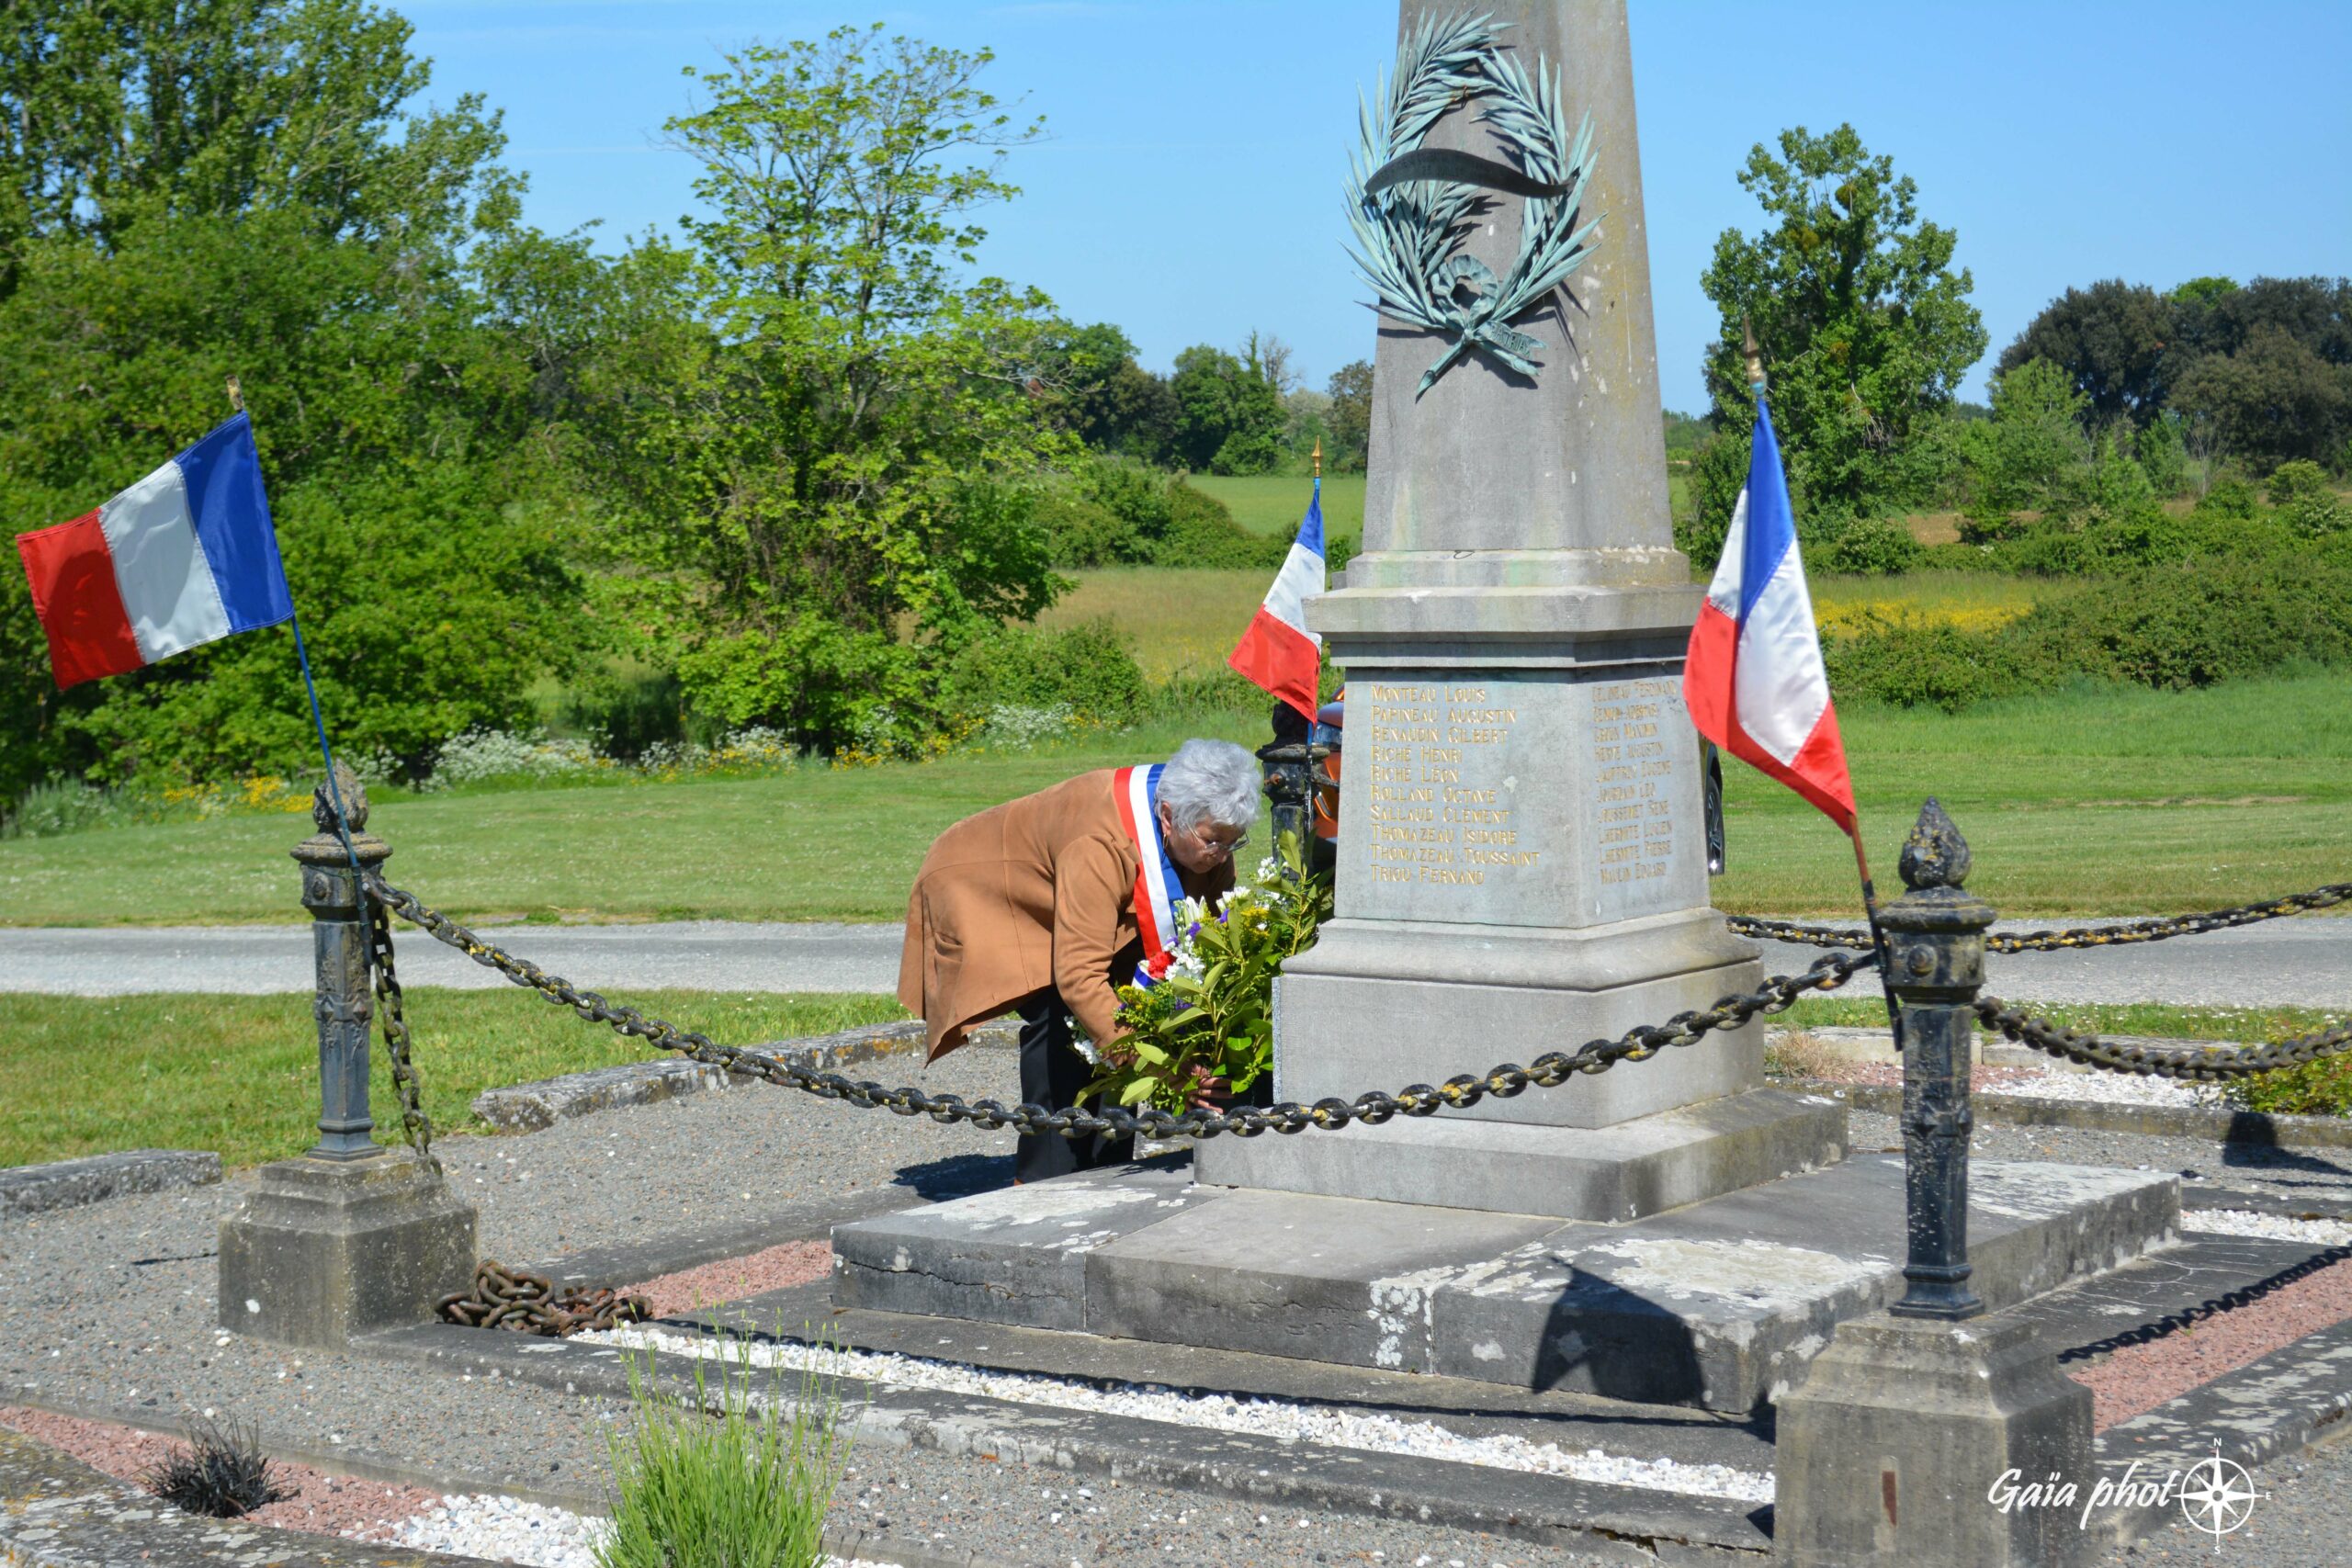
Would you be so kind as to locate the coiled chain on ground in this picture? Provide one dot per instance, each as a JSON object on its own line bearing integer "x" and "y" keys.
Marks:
{"x": 2119, "y": 935}
{"x": 1547, "y": 1071}
{"x": 524, "y": 1302}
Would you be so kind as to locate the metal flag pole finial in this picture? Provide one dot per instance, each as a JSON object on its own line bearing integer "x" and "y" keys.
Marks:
{"x": 236, "y": 396}
{"x": 1755, "y": 357}
{"x": 1318, "y": 457}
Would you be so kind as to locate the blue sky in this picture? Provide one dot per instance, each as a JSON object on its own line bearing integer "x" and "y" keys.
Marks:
{"x": 1189, "y": 189}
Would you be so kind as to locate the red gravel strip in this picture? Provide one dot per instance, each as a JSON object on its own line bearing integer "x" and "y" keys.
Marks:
{"x": 2137, "y": 1378}
{"x": 322, "y": 1503}
{"x": 732, "y": 1279}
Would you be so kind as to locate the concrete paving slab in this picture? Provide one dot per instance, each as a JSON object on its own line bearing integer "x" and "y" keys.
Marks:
{"x": 1722, "y": 1303}
{"x": 805, "y": 1314}
{"x": 1289, "y": 1274}
{"x": 1014, "y": 1256}
{"x": 1717, "y": 1304}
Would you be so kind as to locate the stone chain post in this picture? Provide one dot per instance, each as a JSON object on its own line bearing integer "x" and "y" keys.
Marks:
{"x": 1886, "y": 1452}
{"x": 1935, "y": 954}
{"x": 348, "y": 1238}
{"x": 332, "y": 892}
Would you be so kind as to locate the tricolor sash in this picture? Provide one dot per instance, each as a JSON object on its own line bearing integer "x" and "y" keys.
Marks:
{"x": 1156, "y": 889}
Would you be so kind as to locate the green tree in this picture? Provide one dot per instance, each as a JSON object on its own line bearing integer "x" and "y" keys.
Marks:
{"x": 1113, "y": 404}
{"x": 1351, "y": 416}
{"x": 2034, "y": 435}
{"x": 1229, "y": 416}
{"x": 821, "y": 470}
{"x": 113, "y": 112}
{"x": 2110, "y": 339}
{"x": 1865, "y": 325}
{"x": 2272, "y": 400}
{"x": 194, "y": 191}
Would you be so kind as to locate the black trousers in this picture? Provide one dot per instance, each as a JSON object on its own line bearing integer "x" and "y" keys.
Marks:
{"x": 1052, "y": 1073}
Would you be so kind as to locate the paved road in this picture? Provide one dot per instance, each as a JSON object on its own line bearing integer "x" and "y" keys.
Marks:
{"x": 2294, "y": 963}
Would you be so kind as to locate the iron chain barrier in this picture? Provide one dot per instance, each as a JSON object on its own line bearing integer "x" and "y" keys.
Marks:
{"x": 1548, "y": 1071}
{"x": 415, "y": 1123}
{"x": 2121, "y": 934}
{"x": 2196, "y": 1064}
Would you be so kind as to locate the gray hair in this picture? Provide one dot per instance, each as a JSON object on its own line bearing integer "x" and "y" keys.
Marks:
{"x": 1211, "y": 780}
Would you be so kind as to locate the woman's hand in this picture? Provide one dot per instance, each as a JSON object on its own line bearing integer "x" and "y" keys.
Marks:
{"x": 1206, "y": 1091}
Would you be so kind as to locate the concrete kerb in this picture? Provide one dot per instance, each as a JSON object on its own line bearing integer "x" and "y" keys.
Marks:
{"x": 71, "y": 1184}
{"x": 535, "y": 1106}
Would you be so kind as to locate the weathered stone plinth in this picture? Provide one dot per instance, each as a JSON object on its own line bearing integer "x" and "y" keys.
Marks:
{"x": 1719, "y": 1303}
{"x": 327, "y": 1250}
{"x": 1893, "y": 1447}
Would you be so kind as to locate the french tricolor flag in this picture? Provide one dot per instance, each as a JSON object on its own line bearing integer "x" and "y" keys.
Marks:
{"x": 185, "y": 556}
{"x": 1278, "y": 652}
{"x": 1753, "y": 679}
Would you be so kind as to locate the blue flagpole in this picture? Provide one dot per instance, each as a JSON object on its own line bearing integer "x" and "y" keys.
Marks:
{"x": 318, "y": 718}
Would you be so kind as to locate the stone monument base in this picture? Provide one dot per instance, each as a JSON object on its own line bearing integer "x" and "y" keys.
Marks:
{"x": 1627, "y": 1170}
{"x": 1719, "y": 1305}
{"x": 326, "y": 1250}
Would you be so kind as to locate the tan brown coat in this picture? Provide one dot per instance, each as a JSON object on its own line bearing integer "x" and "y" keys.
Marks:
{"x": 1038, "y": 892}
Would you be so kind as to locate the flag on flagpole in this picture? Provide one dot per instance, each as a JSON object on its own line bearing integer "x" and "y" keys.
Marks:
{"x": 185, "y": 556}
{"x": 1754, "y": 681}
{"x": 1278, "y": 652}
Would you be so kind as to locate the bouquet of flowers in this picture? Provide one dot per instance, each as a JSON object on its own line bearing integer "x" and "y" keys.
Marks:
{"x": 1211, "y": 1017}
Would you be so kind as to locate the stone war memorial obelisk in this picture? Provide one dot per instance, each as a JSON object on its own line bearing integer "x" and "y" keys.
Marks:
{"x": 1523, "y": 856}
{"x": 1521, "y": 868}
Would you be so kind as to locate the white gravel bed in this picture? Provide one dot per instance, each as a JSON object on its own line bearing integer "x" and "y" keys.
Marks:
{"x": 508, "y": 1529}
{"x": 2112, "y": 1088}
{"x": 1286, "y": 1420}
{"x": 2277, "y": 1227}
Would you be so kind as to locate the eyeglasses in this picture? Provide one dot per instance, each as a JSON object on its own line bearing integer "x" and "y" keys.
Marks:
{"x": 1220, "y": 847}
{"x": 1214, "y": 848}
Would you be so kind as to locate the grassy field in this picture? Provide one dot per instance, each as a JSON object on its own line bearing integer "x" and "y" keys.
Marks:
{"x": 1185, "y": 622}
{"x": 1272, "y": 503}
{"x": 85, "y": 1075}
{"x": 2095, "y": 801}
{"x": 1178, "y": 621}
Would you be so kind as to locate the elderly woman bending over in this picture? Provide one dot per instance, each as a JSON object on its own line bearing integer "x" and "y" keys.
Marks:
{"x": 1044, "y": 905}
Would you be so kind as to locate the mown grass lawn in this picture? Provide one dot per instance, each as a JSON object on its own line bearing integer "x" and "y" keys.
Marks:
{"x": 85, "y": 1075}
{"x": 2095, "y": 801}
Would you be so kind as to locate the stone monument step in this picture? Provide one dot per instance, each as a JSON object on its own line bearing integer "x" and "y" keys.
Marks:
{"x": 1623, "y": 1171}
{"x": 1717, "y": 1304}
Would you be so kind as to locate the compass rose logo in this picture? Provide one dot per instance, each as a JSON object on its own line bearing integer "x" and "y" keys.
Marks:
{"x": 2217, "y": 1495}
